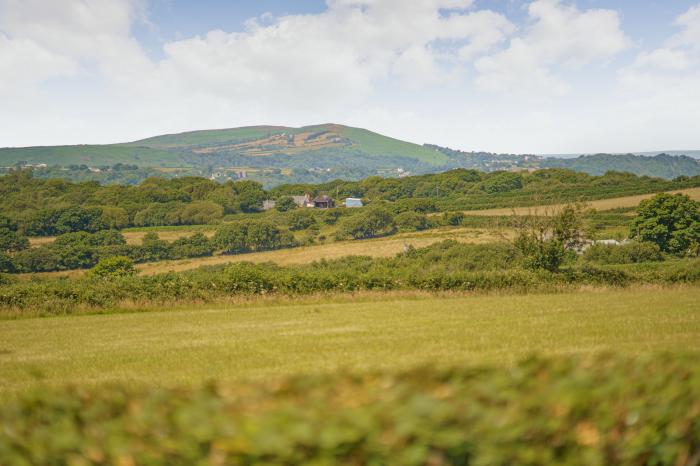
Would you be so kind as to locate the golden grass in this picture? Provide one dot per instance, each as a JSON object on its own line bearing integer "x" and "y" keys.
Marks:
{"x": 135, "y": 237}
{"x": 600, "y": 205}
{"x": 378, "y": 247}
{"x": 238, "y": 343}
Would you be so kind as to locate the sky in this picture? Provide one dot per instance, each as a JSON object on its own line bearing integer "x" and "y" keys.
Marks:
{"x": 516, "y": 76}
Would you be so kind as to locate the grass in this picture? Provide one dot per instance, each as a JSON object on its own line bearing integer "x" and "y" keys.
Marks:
{"x": 600, "y": 205}
{"x": 378, "y": 247}
{"x": 190, "y": 347}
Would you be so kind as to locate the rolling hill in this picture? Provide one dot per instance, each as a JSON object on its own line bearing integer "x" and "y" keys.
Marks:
{"x": 661, "y": 165}
{"x": 310, "y": 154}
{"x": 256, "y": 146}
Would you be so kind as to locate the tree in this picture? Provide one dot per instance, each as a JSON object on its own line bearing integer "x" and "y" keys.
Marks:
{"x": 670, "y": 221}
{"x": 114, "y": 267}
{"x": 567, "y": 226}
{"x": 367, "y": 224}
{"x": 201, "y": 213}
{"x": 11, "y": 241}
{"x": 253, "y": 235}
{"x": 285, "y": 203}
{"x": 196, "y": 245}
{"x": 231, "y": 238}
{"x": 153, "y": 248}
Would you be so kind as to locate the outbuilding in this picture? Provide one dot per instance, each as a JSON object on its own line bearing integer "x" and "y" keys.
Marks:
{"x": 352, "y": 202}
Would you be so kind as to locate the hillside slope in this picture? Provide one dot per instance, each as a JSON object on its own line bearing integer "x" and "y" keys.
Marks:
{"x": 661, "y": 165}
{"x": 331, "y": 150}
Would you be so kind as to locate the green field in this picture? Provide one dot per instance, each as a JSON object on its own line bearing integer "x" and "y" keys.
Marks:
{"x": 390, "y": 333}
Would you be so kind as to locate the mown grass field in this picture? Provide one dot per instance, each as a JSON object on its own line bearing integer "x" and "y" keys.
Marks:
{"x": 189, "y": 347}
{"x": 600, "y": 205}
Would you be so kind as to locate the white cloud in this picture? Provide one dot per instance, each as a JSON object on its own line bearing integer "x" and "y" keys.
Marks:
{"x": 71, "y": 71}
{"x": 559, "y": 35}
{"x": 339, "y": 55}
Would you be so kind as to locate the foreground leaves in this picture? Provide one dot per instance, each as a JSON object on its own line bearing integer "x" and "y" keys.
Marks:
{"x": 569, "y": 410}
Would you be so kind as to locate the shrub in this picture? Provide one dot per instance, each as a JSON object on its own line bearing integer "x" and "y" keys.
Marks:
{"x": 630, "y": 253}
{"x": 453, "y": 218}
{"x": 539, "y": 253}
{"x": 251, "y": 235}
{"x": 301, "y": 220}
{"x": 411, "y": 221}
{"x": 285, "y": 203}
{"x": 11, "y": 241}
{"x": 369, "y": 223}
{"x": 112, "y": 267}
{"x": 196, "y": 245}
{"x": 567, "y": 410}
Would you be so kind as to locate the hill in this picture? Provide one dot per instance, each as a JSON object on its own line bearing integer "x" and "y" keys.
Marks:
{"x": 328, "y": 146}
{"x": 278, "y": 155}
{"x": 661, "y": 165}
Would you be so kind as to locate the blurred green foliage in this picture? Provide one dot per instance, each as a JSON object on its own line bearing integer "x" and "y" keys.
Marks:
{"x": 589, "y": 411}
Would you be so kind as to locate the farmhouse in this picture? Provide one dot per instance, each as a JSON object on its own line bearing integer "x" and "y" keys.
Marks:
{"x": 323, "y": 202}
{"x": 303, "y": 201}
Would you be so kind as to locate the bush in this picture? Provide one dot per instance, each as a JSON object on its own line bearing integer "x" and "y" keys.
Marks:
{"x": 411, "y": 221}
{"x": 301, "y": 220}
{"x": 539, "y": 253}
{"x": 196, "y": 245}
{"x": 630, "y": 253}
{"x": 251, "y": 235}
{"x": 453, "y": 218}
{"x": 569, "y": 410}
{"x": 370, "y": 223}
{"x": 285, "y": 203}
{"x": 11, "y": 241}
{"x": 112, "y": 267}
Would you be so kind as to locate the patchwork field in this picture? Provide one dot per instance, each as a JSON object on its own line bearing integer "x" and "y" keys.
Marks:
{"x": 273, "y": 340}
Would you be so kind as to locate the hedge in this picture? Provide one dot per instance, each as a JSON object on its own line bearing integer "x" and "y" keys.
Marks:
{"x": 569, "y": 410}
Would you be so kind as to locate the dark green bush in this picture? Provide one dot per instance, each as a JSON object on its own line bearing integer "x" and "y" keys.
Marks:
{"x": 369, "y": 223}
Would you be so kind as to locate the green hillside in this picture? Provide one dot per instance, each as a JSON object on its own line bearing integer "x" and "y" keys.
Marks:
{"x": 214, "y": 136}
{"x": 253, "y": 146}
{"x": 661, "y": 165}
{"x": 91, "y": 155}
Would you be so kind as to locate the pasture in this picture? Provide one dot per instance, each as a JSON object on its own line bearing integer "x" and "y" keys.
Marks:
{"x": 599, "y": 205}
{"x": 271, "y": 340}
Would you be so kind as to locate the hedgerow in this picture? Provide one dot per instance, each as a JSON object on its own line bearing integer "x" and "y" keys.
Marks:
{"x": 568, "y": 410}
{"x": 446, "y": 266}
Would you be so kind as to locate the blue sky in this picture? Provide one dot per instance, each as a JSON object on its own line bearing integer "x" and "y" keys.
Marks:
{"x": 542, "y": 76}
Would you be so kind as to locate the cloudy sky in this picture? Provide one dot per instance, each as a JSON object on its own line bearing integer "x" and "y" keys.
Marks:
{"x": 542, "y": 76}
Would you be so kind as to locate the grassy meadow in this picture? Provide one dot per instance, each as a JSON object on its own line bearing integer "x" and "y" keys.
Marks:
{"x": 395, "y": 333}
{"x": 600, "y": 205}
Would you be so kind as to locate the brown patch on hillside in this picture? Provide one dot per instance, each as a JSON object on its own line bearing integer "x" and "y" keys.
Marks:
{"x": 288, "y": 143}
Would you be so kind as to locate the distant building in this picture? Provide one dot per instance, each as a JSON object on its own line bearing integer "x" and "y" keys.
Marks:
{"x": 353, "y": 202}
{"x": 269, "y": 204}
{"x": 303, "y": 201}
{"x": 323, "y": 202}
